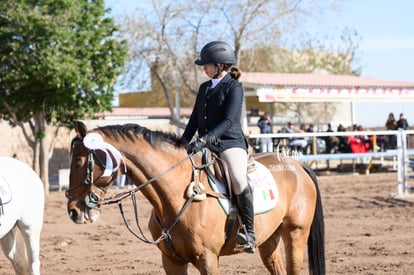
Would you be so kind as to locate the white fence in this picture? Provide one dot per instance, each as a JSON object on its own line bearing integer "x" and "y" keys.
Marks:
{"x": 63, "y": 181}
{"x": 402, "y": 153}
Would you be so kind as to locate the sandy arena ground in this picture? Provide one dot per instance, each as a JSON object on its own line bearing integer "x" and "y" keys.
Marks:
{"x": 368, "y": 231}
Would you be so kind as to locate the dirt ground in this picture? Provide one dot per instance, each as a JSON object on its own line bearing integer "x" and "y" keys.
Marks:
{"x": 368, "y": 231}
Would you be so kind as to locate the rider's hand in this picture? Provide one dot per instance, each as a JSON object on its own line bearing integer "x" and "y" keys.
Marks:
{"x": 211, "y": 140}
{"x": 195, "y": 146}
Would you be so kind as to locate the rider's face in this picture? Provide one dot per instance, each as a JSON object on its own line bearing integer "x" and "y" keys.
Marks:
{"x": 210, "y": 70}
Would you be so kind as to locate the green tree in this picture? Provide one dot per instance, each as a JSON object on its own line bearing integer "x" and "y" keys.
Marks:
{"x": 59, "y": 60}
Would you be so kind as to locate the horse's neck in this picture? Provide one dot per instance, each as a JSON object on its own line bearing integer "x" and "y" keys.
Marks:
{"x": 166, "y": 189}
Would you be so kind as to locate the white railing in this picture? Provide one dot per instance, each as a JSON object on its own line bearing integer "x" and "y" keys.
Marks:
{"x": 402, "y": 152}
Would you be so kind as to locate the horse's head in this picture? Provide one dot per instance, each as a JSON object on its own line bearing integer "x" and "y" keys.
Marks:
{"x": 93, "y": 167}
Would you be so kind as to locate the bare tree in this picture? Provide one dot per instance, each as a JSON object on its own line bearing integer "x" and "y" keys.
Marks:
{"x": 162, "y": 39}
{"x": 166, "y": 38}
{"x": 313, "y": 56}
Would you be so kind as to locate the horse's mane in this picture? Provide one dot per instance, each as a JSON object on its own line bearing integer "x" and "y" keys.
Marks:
{"x": 131, "y": 131}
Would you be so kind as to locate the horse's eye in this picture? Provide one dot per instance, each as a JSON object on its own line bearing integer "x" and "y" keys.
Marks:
{"x": 78, "y": 163}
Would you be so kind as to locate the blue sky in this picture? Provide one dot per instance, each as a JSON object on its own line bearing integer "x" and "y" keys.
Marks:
{"x": 386, "y": 50}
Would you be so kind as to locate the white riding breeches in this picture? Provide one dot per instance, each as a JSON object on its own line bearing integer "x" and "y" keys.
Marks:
{"x": 236, "y": 159}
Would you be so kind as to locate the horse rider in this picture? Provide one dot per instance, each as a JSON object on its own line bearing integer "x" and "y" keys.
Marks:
{"x": 216, "y": 118}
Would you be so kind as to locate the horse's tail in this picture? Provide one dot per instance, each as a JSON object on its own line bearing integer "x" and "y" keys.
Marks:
{"x": 316, "y": 240}
{"x": 15, "y": 249}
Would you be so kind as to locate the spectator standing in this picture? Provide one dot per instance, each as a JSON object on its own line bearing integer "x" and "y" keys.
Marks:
{"x": 332, "y": 142}
{"x": 309, "y": 140}
{"x": 265, "y": 126}
{"x": 341, "y": 128}
{"x": 391, "y": 125}
{"x": 343, "y": 146}
{"x": 402, "y": 123}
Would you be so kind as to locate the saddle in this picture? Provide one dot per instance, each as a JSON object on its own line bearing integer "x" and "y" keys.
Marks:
{"x": 217, "y": 168}
{"x": 265, "y": 192}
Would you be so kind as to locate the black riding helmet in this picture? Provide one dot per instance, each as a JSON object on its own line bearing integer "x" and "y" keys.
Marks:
{"x": 216, "y": 52}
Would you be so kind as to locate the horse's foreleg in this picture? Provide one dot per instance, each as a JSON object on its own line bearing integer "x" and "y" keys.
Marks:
{"x": 208, "y": 264}
{"x": 172, "y": 266}
{"x": 13, "y": 247}
{"x": 270, "y": 254}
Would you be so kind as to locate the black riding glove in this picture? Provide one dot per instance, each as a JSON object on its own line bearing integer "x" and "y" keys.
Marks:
{"x": 195, "y": 146}
{"x": 211, "y": 140}
{"x": 199, "y": 143}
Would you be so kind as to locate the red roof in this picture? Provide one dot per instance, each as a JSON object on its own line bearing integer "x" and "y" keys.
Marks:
{"x": 318, "y": 80}
{"x": 149, "y": 112}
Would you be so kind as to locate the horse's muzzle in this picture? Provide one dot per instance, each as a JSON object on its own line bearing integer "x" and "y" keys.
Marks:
{"x": 80, "y": 213}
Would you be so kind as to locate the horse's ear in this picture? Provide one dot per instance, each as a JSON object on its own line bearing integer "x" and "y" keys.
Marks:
{"x": 80, "y": 128}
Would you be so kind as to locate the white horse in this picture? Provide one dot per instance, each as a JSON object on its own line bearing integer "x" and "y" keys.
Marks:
{"x": 21, "y": 207}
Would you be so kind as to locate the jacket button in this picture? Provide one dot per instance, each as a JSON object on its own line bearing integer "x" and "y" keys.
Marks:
{"x": 205, "y": 117}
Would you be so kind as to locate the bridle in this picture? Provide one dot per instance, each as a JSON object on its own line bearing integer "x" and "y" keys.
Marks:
{"x": 92, "y": 200}
{"x": 94, "y": 142}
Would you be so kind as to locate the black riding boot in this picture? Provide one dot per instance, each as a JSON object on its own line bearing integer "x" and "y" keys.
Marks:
{"x": 246, "y": 212}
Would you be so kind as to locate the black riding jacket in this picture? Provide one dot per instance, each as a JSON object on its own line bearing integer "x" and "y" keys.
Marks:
{"x": 217, "y": 111}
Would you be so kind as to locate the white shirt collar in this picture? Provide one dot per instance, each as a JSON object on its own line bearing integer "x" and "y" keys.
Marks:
{"x": 214, "y": 82}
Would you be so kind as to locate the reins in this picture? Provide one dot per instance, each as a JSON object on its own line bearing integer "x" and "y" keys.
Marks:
{"x": 165, "y": 235}
{"x": 118, "y": 198}
{"x": 121, "y": 196}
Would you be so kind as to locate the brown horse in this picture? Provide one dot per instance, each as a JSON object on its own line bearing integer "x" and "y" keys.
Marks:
{"x": 189, "y": 231}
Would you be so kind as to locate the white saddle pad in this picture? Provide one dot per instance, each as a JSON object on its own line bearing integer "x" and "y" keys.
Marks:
{"x": 265, "y": 192}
